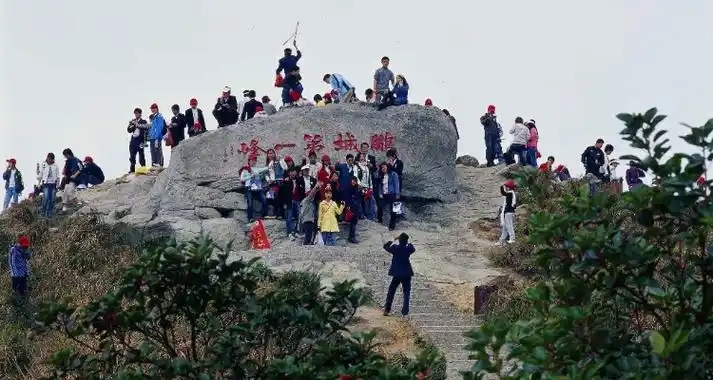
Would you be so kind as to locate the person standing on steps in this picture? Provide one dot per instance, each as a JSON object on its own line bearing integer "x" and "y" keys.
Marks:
{"x": 138, "y": 128}
{"x": 507, "y": 213}
{"x": 400, "y": 271}
{"x": 13, "y": 184}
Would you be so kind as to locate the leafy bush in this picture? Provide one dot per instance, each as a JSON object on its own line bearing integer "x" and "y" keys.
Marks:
{"x": 183, "y": 311}
{"x": 626, "y": 292}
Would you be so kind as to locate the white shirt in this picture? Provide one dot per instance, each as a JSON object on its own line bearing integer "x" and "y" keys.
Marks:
{"x": 385, "y": 184}
{"x": 365, "y": 179}
{"x": 195, "y": 117}
{"x": 11, "y": 180}
{"x": 50, "y": 174}
{"x": 520, "y": 134}
{"x": 241, "y": 105}
{"x": 308, "y": 184}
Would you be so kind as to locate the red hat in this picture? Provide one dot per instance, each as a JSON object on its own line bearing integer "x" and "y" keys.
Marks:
{"x": 327, "y": 96}
{"x": 510, "y": 184}
{"x": 701, "y": 180}
{"x": 428, "y": 102}
{"x": 23, "y": 241}
{"x": 88, "y": 159}
{"x": 288, "y": 158}
{"x": 326, "y": 158}
{"x": 491, "y": 108}
{"x": 559, "y": 168}
{"x": 154, "y": 106}
{"x": 193, "y": 102}
{"x": 12, "y": 161}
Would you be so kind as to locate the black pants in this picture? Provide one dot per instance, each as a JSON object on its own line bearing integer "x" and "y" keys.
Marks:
{"x": 520, "y": 151}
{"x": 19, "y": 286}
{"x": 387, "y": 202}
{"x": 308, "y": 229}
{"x": 353, "y": 223}
{"x": 491, "y": 146}
{"x": 225, "y": 118}
{"x": 134, "y": 149}
{"x": 405, "y": 283}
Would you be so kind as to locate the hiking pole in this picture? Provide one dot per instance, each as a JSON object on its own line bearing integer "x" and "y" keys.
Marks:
{"x": 293, "y": 37}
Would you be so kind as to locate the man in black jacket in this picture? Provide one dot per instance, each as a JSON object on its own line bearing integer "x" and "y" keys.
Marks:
{"x": 194, "y": 119}
{"x": 593, "y": 159}
{"x": 492, "y": 134}
{"x": 250, "y": 107}
{"x": 92, "y": 174}
{"x": 226, "y": 109}
{"x": 400, "y": 271}
{"x": 137, "y": 128}
{"x": 178, "y": 126}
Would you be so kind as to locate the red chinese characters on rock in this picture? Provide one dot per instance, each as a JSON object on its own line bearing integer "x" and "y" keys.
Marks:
{"x": 313, "y": 143}
{"x": 346, "y": 142}
{"x": 382, "y": 142}
{"x": 252, "y": 149}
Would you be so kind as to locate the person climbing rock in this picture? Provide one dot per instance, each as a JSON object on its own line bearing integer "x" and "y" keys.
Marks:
{"x": 341, "y": 85}
{"x": 13, "y": 183}
{"x": 138, "y": 128}
{"x": 492, "y": 135}
{"x": 226, "y": 109}
{"x": 507, "y": 213}
{"x": 400, "y": 271}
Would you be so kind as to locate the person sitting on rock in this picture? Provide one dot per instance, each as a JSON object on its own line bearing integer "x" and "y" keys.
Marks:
{"x": 290, "y": 197}
{"x": 318, "y": 101}
{"x": 268, "y": 107}
{"x": 138, "y": 128}
{"x": 274, "y": 176}
{"x": 389, "y": 191}
{"x": 194, "y": 119}
{"x": 292, "y": 87}
{"x": 327, "y": 223}
{"x": 341, "y": 85}
{"x": 507, "y": 213}
{"x": 308, "y": 213}
{"x": 177, "y": 128}
{"x": 328, "y": 98}
{"x": 562, "y": 173}
{"x": 400, "y": 271}
{"x": 226, "y": 109}
{"x": 353, "y": 198}
{"x": 92, "y": 174}
{"x": 251, "y": 178}
{"x": 400, "y": 91}
{"x": 546, "y": 167}
{"x": 369, "y": 96}
{"x": 250, "y": 108}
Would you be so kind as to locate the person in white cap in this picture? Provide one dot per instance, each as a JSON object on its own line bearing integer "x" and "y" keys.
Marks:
{"x": 226, "y": 109}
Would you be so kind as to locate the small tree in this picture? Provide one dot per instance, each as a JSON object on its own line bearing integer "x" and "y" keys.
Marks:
{"x": 183, "y": 312}
{"x": 629, "y": 287}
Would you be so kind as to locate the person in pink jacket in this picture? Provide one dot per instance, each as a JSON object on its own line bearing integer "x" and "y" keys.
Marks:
{"x": 532, "y": 143}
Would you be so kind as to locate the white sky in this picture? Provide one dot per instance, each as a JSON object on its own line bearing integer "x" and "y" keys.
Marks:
{"x": 74, "y": 70}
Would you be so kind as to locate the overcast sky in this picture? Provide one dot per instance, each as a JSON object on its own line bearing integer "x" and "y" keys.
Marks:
{"x": 74, "y": 70}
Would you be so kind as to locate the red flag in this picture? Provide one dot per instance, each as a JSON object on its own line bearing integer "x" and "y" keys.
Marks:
{"x": 258, "y": 236}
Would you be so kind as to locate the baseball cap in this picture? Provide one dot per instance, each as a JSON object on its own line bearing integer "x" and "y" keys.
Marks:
{"x": 12, "y": 161}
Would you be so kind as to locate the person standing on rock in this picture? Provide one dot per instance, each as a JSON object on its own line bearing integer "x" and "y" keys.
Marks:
{"x": 251, "y": 177}
{"x": 288, "y": 62}
{"x": 383, "y": 76}
{"x": 138, "y": 129}
{"x": 49, "y": 179}
{"x": 157, "y": 131}
{"x": 353, "y": 198}
{"x": 250, "y": 107}
{"x": 177, "y": 129}
{"x": 290, "y": 197}
{"x": 520, "y": 136}
{"x": 593, "y": 159}
{"x": 507, "y": 213}
{"x": 400, "y": 271}
{"x": 308, "y": 212}
{"x": 194, "y": 119}
{"x": 492, "y": 135}
{"x": 388, "y": 191}
{"x": 327, "y": 223}
{"x": 226, "y": 109}
{"x": 72, "y": 177}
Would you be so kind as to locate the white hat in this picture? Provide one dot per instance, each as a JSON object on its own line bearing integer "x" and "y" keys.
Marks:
{"x": 226, "y": 89}
{"x": 306, "y": 167}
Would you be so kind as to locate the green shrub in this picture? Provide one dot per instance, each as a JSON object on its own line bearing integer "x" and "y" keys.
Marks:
{"x": 184, "y": 312}
{"x": 15, "y": 349}
{"x": 624, "y": 290}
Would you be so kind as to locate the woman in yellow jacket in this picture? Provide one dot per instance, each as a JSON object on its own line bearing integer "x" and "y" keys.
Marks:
{"x": 327, "y": 218}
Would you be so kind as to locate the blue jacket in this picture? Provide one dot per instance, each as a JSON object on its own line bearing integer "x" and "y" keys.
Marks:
{"x": 17, "y": 261}
{"x": 401, "y": 94}
{"x": 400, "y": 259}
{"x": 156, "y": 130}
{"x": 340, "y": 84}
{"x": 353, "y": 198}
{"x": 288, "y": 63}
{"x": 345, "y": 177}
{"x": 393, "y": 181}
{"x": 71, "y": 166}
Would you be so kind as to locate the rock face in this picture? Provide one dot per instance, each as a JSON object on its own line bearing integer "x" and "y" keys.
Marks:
{"x": 200, "y": 190}
{"x": 467, "y": 160}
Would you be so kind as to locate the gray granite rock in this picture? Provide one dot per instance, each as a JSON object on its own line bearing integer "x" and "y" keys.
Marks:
{"x": 467, "y": 160}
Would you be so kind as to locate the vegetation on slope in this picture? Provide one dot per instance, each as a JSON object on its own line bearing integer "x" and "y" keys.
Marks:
{"x": 620, "y": 285}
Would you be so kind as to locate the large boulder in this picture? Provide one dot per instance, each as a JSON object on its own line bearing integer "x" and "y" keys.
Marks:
{"x": 200, "y": 190}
